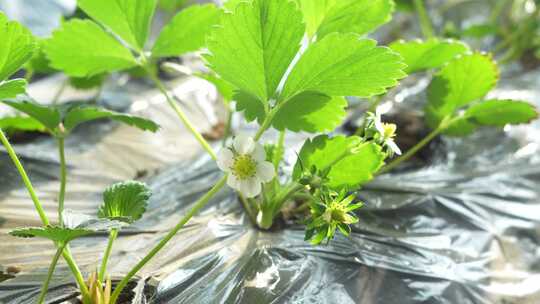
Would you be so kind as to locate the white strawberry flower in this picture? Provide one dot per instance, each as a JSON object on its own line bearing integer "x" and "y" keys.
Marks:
{"x": 386, "y": 133}
{"x": 246, "y": 164}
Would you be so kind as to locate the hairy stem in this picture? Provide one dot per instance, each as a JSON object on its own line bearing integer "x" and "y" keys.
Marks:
{"x": 185, "y": 120}
{"x": 37, "y": 204}
{"x": 112, "y": 237}
{"x": 52, "y": 266}
{"x": 196, "y": 208}
{"x": 63, "y": 179}
{"x": 425, "y": 22}
{"x": 396, "y": 162}
{"x": 247, "y": 207}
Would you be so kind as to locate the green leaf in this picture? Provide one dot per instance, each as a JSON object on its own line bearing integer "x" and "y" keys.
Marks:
{"x": 314, "y": 12}
{"x": 345, "y": 65}
{"x": 21, "y": 123}
{"x": 480, "y": 30}
{"x": 72, "y": 115}
{"x": 351, "y": 171}
{"x": 82, "y": 48}
{"x": 463, "y": 80}
{"x": 12, "y": 88}
{"x": 129, "y": 19}
{"x": 355, "y": 16}
{"x": 225, "y": 89}
{"x": 254, "y": 46}
{"x": 250, "y": 106}
{"x": 433, "y": 53}
{"x": 501, "y": 112}
{"x": 171, "y": 6}
{"x": 79, "y": 114}
{"x": 47, "y": 116}
{"x": 187, "y": 31}
{"x": 311, "y": 112}
{"x": 17, "y": 46}
{"x": 53, "y": 233}
{"x": 86, "y": 83}
{"x": 125, "y": 201}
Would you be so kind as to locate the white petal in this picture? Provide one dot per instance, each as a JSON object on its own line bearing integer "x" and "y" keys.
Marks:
{"x": 265, "y": 171}
{"x": 243, "y": 144}
{"x": 259, "y": 154}
{"x": 233, "y": 182}
{"x": 392, "y": 146}
{"x": 225, "y": 159}
{"x": 250, "y": 187}
{"x": 379, "y": 126}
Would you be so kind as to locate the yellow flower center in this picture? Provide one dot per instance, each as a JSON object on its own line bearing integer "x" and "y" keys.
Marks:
{"x": 389, "y": 130}
{"x": 244, "y": 167}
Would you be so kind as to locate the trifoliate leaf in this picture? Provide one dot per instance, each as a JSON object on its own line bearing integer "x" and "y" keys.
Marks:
{"x": 250, "y": 106}
{"x": 345, "y": 65}
{"x": 355, "y": 16}
{"x": 187, "y": 31}
{"x": 125, "y": 201}
{"x": 253, "y": 47}
{"x": 47, "y": 116}
{"x": 80, "y": 114}
{"x": 21, "y": 123}
{"x": 433, "y": 53}
{"x": 501, "y": 112}
{"x": 12, "y": 88}
{"x": 53, "y": 233}
{"x": 225, "y": 89}
{"x": 349, "y": 172}
{"x": 129, "y": 19}
{"x": 72, "y": 115}
{"x": 82, "y": 48}
{"x": 463, "y": 80}
{"x": 17, "y": 46}
{"x": 311, "y": 112}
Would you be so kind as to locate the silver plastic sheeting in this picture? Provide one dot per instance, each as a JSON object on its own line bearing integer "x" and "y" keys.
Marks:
{"x": 464, "y": 228}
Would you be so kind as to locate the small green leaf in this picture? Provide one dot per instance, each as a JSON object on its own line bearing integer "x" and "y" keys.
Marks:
{"x": 17, "y": 46}
{"x": 433, "y": 53}
{"x": 53, "y": 233}
{"x": 356, "y": 16}
{"x": 345, "y": 65}
{"x": 187, "y": 31}
{"x": 463, "y": 80}
{"x": 351, "y": 171}
{"x": 311, "y": 112}
{"x": 82, "y": 48}
{"x": 129, "y": 19}
{"x": 47, "y": 116}
{"x": 21, "y": 123}
{"x": 79, "y": 114}
{"x": 459, "y": 128}
{"x": 125, "y": 201}
{"x": 12, "y": 88}
{"x": 501, "y": 112}
{"x": 253, "y": 47}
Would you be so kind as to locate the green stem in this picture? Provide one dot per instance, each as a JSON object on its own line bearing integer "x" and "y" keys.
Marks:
{"x": 396, "y": 162}
{"x": 425, "y": 22}
{"x": 24, "y": 176}
{"x": 247, "y": 207}
{"x": 279, "y": 150}
{"x": 228, "y": 127}
{"x": 52, "y": 266}
{"x": 196, "y": 208}
{"x": 185, "y": 120}
{"x": 37, "y": 204}
{"x": 112, "y": 237}
{"x": 61, "y": 90}
{"x": 63, "y": 175}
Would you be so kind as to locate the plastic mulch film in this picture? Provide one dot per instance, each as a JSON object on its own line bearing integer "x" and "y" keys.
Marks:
{"x": 463, "y": 229}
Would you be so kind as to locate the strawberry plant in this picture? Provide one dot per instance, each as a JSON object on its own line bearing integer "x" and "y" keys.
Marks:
{"x": 289, "y": 66}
